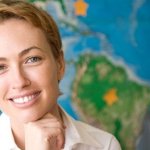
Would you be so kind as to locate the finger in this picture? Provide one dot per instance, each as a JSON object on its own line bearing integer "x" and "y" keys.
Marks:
{"x": 48, "y": 115}
{"x": 46, "y": 123}
{"x": 51, "y": 142}
{"x": 60, "y": 141}
{"x": 60, "y": 136}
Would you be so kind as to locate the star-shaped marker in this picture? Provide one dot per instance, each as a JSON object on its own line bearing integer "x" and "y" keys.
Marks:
{"x": 80, "y": 8}
{"x": 111, "y": 97}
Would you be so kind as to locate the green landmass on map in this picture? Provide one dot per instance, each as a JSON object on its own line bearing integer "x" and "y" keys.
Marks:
{"x": 106, "y": 97}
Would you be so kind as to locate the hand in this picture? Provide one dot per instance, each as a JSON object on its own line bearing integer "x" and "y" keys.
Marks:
{"x": 44, "y": 134}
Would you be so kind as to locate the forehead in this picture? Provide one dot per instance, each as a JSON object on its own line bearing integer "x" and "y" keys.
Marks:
{"x": 19, "y": 34}
{"x": 19, "y": 27}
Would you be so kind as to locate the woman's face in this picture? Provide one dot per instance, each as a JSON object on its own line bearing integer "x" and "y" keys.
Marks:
{"x": 29, "y": 73}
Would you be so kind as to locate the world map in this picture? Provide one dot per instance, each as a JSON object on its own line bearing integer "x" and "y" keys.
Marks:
{"x": 106, "y": 48}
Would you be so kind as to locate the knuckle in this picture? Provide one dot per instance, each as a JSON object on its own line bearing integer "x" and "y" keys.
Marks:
{"x": 58, "y": 131}
{"x": 58, "y": 124}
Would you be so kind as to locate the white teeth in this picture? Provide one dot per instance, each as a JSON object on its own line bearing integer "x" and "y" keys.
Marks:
{"x": 23, "y": 99}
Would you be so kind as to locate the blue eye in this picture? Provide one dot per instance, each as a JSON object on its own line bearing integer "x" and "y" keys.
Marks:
{"x": 33, "y": 59}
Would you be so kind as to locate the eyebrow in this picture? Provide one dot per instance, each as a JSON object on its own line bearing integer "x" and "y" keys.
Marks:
{"x": 27, "y": 50}
{"x": 23, "y": 52}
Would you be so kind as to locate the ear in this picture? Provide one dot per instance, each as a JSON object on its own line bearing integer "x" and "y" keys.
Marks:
{"x": 60, "y": 66}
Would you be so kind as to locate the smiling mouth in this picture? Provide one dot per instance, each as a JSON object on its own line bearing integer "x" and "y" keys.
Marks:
{"x": 25, "y": 99}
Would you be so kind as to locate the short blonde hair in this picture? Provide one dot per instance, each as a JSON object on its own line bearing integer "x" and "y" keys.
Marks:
{"x": 37, "y": 17}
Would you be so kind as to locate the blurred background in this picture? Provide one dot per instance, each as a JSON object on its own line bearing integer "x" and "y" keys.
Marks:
{"x": 107, "y": 81}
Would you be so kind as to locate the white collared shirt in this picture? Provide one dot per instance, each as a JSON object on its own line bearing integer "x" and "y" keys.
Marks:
{"x": 78, "y": 136}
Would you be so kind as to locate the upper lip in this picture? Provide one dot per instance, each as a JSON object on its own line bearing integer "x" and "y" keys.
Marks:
{"x": 23, "y": 95}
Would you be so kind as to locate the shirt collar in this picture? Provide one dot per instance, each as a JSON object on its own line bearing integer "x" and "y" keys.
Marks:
{"x": 76, "y": 134}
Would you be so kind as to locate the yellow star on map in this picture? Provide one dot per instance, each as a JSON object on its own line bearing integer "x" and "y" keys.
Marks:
{"x": 111, "y": 97}
{"x": 80, "y": 8}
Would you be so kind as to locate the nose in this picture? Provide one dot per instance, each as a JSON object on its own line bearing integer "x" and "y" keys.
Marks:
{"x": 19, "y": 79}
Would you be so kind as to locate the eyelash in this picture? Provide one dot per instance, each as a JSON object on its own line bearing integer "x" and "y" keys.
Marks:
{"x": 33, "y": 59}
{"x": 2, "y": 67}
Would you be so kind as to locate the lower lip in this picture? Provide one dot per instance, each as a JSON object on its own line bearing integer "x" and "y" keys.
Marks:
{"x": 27, "y": 104}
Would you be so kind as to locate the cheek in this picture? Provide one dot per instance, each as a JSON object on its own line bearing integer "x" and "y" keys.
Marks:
{"x": 44, "y": 77}
{"x": 4, "y": 106}
{"x": 4, "y": 88}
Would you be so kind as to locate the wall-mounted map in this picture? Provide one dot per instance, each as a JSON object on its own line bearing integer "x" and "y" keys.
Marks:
{"x": 106, "y": 45}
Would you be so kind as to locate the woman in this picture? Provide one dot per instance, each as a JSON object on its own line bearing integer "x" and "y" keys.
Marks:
{"x": 31, "y": 66}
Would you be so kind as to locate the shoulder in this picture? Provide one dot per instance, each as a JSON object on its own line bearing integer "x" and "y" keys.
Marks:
{"x": 4, "y": 125}
{"x": 3, "y": 120}
{"x": 87, "y": 137}
{"x": 3, "y": 130}
{"x": 106, "y": 139}
{"x": 7, "y": 141}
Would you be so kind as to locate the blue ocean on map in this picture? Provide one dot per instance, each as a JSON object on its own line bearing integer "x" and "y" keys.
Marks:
{"x": 122, "y": 32}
